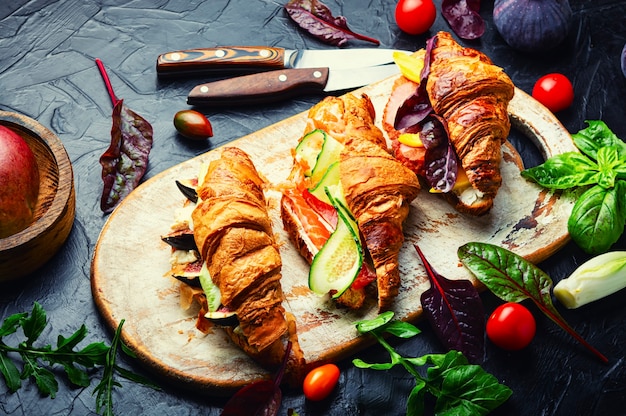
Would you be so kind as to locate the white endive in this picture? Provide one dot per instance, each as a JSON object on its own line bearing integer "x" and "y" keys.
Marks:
{"x": 598, "y": 277}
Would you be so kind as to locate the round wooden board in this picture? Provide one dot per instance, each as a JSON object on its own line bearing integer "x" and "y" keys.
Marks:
{"x": 130, "y": 259}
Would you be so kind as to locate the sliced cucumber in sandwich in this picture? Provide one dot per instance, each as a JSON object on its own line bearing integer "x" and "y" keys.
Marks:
{"x": 331, "y": 150}
{"x": 309, "y": 149}
{"x": 329, "y": 180}
{"x": 211, "y": 291}
{"x": 339, "y": 261}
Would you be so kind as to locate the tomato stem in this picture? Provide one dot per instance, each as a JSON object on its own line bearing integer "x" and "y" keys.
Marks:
{"x": 107, "y": 82}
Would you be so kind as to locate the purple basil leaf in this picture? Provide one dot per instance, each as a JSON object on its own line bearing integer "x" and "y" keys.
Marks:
{"x": 440, "y": 160}
{"x": 464, "y": 18}
{"x": 126, "y": 160}
{"x": 317, "y": 19}
{"x": 455, "y": 311}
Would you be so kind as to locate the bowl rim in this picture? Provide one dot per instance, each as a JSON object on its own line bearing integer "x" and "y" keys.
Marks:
{"x": 62, "y": 195}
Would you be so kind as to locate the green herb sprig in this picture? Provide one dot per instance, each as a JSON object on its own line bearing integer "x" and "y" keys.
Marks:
{"x": 38, "y": 362}
{"x": 599, "y": 214}
{"x": 460, "y": 388}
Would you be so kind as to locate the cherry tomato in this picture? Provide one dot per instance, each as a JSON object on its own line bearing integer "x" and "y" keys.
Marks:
{"x": 554, "y": 91}
{"x": 193, "y": 125}
{"x": 415, "y": 16}
{"x": 511, "y": 326}
{"x": 320, "y": 381}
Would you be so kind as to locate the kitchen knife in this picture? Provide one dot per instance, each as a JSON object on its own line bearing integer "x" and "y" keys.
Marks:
{"x": 265, "y": 58}
{"x": 281, "y": 84}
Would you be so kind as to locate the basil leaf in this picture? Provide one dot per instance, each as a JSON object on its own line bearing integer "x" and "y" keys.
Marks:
{"x": 402, "y": 329}
{"x": 596, "y": 136}
{"x": 564, "y": 171}
{"x": 608, "y": 160}
{"x": 598, "y": 217}
{"x": 415, "y": 402}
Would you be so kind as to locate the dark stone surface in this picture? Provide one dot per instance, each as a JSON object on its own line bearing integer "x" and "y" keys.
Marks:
{"x": 47, "y": 72}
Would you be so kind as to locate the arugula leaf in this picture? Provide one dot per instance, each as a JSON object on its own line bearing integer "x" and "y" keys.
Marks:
{"x": 460, "y": 388}
{"x": 514, "y": 279}
{"x": 74, "y": 362}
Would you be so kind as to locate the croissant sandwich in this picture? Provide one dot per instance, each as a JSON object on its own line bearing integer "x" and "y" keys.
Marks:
{"x": 447, "y": 119}
{"x": 240, "y": 268}
{"x": 346, "y": 201}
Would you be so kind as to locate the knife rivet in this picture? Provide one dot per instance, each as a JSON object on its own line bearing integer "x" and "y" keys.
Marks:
{"x": 175, "y": 56}
{"x": 204, "y": 88}
{"x": 264, "y": 53}
{"x": 317, "y": 74}
{"x": 282, "y": 77}
{"x": 220, "y": 53}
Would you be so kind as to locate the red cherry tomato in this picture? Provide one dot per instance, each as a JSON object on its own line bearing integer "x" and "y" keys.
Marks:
{"x": 554, "y": 91}
{"x": 415, "y": 16}
{"x": 320, "y": 381}
{"x": 511, "y": 326}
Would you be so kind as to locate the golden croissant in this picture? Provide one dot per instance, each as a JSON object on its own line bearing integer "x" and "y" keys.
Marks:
{"x": 471, "y": 94}
{"x": 377, "y": 188}
{"x": 233, "y": 234}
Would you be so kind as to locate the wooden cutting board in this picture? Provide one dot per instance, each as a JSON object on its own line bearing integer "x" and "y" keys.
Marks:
{"x": 130, "y": 259}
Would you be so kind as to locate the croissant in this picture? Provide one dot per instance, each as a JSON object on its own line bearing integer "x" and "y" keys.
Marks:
{"x": 471, "y": 94}
{"x": 377, "y": 188}
{"x": 233, "y": 233}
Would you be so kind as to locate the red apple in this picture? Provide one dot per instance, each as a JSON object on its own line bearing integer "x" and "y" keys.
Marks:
{"x": 19, "y": 183}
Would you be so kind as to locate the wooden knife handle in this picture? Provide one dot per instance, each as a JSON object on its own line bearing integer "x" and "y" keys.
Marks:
{"x": 221, "y": 59}
{"x": 258, "y": 88}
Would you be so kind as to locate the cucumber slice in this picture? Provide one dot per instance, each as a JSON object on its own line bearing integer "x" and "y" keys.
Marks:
{"x": 310, "y": 147}
{"x": 329, "y": 180}
{"x": 211, "y": 291}
{"x": 331, "y": 150}
{"x": 339, "y": 261}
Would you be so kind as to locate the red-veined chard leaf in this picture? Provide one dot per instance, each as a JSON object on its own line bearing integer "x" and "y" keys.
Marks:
{"x": 261, "y": 398}
{"x": 317, "y": 19}
{"x": 463, "y": 16}
{"x": 125, "y": 161}
{"x": 513, "y": 279}
{"x": 455, "y": 311}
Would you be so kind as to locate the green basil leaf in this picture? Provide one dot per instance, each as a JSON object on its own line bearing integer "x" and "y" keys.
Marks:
{"x": 402, "y": 329}
{"x": 415, "y": 402}
{"x": 594, "y": 137}
{"x": 564, "y": 171}
{"x": 374, "y": 366}
{"x": 608, "y": 160}
{"x": 372, "y": 324}
{"x": 474, "y": 392}
{"x": 10, "y": 372}
{"x": 598, "y": 217}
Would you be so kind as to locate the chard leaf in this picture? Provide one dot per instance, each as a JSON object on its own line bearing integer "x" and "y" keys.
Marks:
{"x": 126, "y": 160}
{"x": 317, "y": 19}
{"x": 564, "y": 171}
{"x": 440, "y": 159}
{"x": 455, "y": 312}
{"x": 598, "y": 217}
{"x": 463, "y": 16}
{"x": 596, "y": 136}
{"x": 513, "y": 279}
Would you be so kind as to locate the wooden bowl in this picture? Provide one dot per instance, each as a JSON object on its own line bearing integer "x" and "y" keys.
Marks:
{"x": 24, "y": 252}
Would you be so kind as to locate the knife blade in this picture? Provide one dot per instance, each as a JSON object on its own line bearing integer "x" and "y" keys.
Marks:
{"x": 264, "y": 87}
{"x": 265, "y": 58}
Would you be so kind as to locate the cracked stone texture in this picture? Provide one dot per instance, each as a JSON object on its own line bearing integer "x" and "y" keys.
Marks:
{"x": 47, "y": 72}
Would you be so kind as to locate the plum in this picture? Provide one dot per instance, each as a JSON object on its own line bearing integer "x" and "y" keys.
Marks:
{"x": 19, "y": 183}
